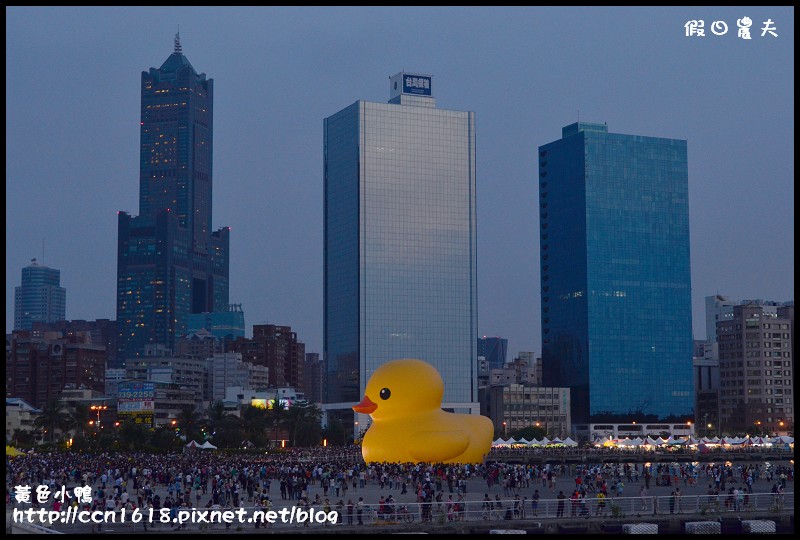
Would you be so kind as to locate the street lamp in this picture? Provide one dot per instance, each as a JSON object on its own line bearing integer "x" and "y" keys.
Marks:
{"x": 504, "y": 429}
{"x": 705, "y": 423}
{"x": 98, "y": 408}
{"x": 355, "y": 433}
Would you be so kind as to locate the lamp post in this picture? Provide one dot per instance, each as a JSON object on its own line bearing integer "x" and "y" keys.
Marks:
{"x": 355, "y": 433}
{"x": 706, "y": 424}
{"x": 504, "y": 429}
{"x": 98, "y": 408}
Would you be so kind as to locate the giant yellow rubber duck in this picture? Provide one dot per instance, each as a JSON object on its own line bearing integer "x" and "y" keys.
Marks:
{"x": 404, "y": 399}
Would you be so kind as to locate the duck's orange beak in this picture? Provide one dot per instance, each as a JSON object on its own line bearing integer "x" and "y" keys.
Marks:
{"x": 366, "y": 406}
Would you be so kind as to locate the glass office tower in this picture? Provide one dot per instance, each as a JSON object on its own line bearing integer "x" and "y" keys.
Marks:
{"x": 400, "y": 255}
{"x": 615, "y": 277}
{"x": 40, "y": 297}
{"x": 169, "y": 262}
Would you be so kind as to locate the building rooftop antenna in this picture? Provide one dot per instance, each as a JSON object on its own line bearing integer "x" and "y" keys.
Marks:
{"x": 178, "y": 48}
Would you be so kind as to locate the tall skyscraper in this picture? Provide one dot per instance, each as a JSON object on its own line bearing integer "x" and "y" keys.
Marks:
{"x": 400, "y": 254}
{"x": 615, "y": 278}
{"x": 169, "y": 262}
{"x": 40, "y": 297}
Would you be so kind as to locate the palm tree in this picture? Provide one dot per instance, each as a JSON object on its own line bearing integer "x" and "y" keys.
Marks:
{"x": 188, "y": 421}
{"x": 254, "y": 425}
{"x": 277, "y": 415}
{"x": 216, "y": 415}
{"x": 303, "y": 420}
{"x": 51, "y": 418}
{"x": 78, "y": 419}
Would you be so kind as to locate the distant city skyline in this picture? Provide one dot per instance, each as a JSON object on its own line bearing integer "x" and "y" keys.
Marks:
{"x": 72, "y": 161}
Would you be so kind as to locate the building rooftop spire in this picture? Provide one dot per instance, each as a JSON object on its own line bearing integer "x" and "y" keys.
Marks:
{"x": 178, "y": 48}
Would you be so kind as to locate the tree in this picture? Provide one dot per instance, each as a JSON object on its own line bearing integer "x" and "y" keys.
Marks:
{"x": 335, "y": 432}
{"x": 23, "y": 437}
{"x": 164, "y": 438}
{"x": 188, "y": 421}
{"x": 78, "y": 419}
{"x": 133, "y": 436}
{"x": 254, "y": 425}
{"x": 277, "y": 416}
{"x": 229, "y": 433}
{"x": 303, "y": 421}
{"x": 217, "y": 418}
{"x": 530, "y": 433}
{"x": 51, "y": 418}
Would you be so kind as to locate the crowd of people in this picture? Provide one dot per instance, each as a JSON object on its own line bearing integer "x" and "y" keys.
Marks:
{"x": 335, "y": 478}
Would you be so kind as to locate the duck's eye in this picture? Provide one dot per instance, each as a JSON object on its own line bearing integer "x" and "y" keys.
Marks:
{"x": 385, "y": 393}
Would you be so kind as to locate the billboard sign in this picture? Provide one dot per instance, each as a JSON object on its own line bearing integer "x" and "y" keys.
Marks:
{"x": 417, "y": 85}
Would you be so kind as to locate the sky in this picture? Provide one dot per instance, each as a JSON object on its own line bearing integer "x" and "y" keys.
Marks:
{"x": 72, "y": 135}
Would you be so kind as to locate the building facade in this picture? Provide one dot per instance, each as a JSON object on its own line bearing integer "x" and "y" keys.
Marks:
{"x": 615, "y": 275}
{"x": 400, "y": 243}
{"x": 101, "y": 331}
{"x": 516, "y": 406}
{"x": 39, "y": 370}
{"x": 40, "y": 297}
{"x": 756, "y": 364}
{"x": 705, "y": 364}
{"x": 228, "y": 370}
{"x": 189, "y": 374}
{"x": 315, "y": 377}
{"x": 170, "y": 263}
{"x": 494, "y": 349}
{"x": 277, "y": 348}
{"x": 20, "y": 417}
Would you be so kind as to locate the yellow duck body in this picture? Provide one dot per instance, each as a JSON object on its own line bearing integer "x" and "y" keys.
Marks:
{"x": 404, "y": 399}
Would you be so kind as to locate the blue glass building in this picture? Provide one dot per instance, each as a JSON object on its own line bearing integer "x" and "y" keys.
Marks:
{"x": 494, "y": 349}
{"x": 400, "y": 252}
{"x": 40, "y": 297}
{"x": 226, "y": 325}
{"x": 615, "y": 277}
{"x": 169, "y": 262}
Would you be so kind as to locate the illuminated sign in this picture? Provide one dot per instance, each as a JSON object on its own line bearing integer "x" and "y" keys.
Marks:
{"x": 135, "y": 406}
{"x": 415, "y": 84}
{"x": 136, "y": 390}
{"x": 269, "y": 403}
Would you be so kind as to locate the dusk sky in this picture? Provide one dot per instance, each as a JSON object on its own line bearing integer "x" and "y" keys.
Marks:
{"x": 72, "y": 136}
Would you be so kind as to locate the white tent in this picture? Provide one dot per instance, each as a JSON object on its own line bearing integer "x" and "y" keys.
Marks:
{"x": 524, "y": 441}
{"x": 569, "y": 442}
{"x": 545, "y": 441}
{"x": 637, "y": 441}
{"x": 497, "y": 442}
{"x": 192, "y": 444}
{"x": 207, "y": 446}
